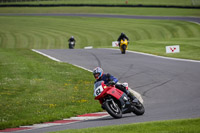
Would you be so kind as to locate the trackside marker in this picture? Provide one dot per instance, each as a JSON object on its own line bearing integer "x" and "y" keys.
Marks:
{"x": 63, "y": 121}
{"x": 59, "y": 122}
{"x": 14, "y": 129}
{"x": 115, "y": 44}
{"x": 173, "y": 49}
{"x": 89, "y": 47}
{"x": 91, "y": 116}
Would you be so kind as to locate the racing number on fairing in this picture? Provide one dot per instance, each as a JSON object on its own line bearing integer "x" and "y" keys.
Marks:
{"x": 98, "y": 91}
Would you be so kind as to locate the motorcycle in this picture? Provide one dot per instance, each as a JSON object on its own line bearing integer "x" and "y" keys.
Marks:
{"x": 115, "y": 101}
{"x": 71, "y": 45}
{"x": 123, "y": 45}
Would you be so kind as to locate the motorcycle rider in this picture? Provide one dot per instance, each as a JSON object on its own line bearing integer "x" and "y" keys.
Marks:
{"x": 111, "y": 80}
{"x": 72, "y": 39}
{"x": 122, "y": 37}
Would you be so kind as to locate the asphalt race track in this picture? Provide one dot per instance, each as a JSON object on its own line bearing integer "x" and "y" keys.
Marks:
{"x": 191, "y": 19}
{"x": 170, "y": 88}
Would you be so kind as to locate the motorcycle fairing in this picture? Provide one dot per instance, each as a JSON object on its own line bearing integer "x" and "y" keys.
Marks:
{"x": 119, "y": 95}
{"x": 123, "y": 42}
{"x": 115, "y": 93}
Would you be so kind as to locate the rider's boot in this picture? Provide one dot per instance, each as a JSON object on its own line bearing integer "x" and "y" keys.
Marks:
{"x": 133, "y": 99}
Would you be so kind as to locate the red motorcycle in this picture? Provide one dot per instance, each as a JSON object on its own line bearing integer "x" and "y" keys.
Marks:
{"x": 115, "y": 101}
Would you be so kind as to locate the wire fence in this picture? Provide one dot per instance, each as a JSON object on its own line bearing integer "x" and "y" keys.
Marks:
{"x": 192, "y": 3}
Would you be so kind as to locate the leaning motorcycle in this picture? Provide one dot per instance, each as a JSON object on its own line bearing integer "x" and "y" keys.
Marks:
{"x": 71, "y": 45}
{"x": 123, "y": 45}
{"x": 115, "y": 101}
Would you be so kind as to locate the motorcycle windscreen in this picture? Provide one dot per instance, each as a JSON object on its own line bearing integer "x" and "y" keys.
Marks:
{"x": 98, "y": 88}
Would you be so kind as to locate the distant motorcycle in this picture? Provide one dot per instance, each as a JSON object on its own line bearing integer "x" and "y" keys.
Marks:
{"x": 123, "y": 45}
{"x": 71, "y": 45}
{"x": 115, "y": 101}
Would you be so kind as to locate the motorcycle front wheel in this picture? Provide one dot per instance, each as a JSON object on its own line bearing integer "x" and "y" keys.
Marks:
{"x": 71, "y": 46}
{"x": 113, "y": 109}
{"x": 123, "y": 49}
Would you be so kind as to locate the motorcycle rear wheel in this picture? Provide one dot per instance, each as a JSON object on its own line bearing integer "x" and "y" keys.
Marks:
{"x": 113, "y": 109}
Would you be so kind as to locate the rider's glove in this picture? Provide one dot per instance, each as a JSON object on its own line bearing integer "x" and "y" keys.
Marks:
{"x": 111, "y": 83}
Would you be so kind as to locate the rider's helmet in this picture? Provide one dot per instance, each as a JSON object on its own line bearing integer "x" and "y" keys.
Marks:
{"x": 72, "y": 37}
{"x": 98, "y": 73}
{"x": 122, "y": 34}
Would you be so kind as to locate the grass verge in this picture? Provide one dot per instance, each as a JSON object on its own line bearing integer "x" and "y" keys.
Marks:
{"x": 105, "y": 10}
{"x": 35, "y": 89}
{"x": 172, "y": 126}
{"x": 150, "y": 36}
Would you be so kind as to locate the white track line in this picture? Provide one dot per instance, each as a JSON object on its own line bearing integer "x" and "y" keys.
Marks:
{"x": 82, "y": 67}
{"x": 50, "y": 57}
{"x": 169, "y": 58}
{"x": 46, "y": 55}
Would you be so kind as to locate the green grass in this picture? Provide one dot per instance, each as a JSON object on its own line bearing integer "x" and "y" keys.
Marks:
{"x": 150, "y": 36}
{"x": 35, "y": 89}
{"x": 173, "y": 126}
{"x": 105, "y": 10}
{"x": 112, "y": 2}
